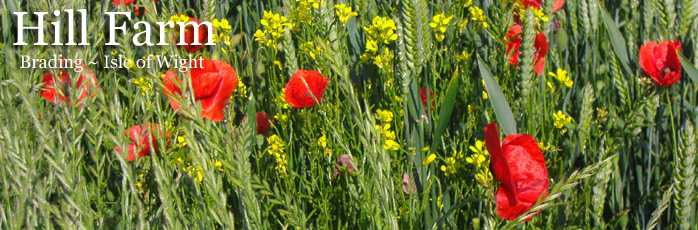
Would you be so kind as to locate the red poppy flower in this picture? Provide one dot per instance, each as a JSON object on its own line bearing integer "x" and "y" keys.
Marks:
{"x": 189, "y": 36}
{"x": 141, "y": 137}
{"x": 122, "y": 2}
{"x": 85, "y": 85}
{"x": 344, "y": 161}
{"x": 263, "y": 123}
{"x": 514, "y": 43}
{"x": 297, "y": 93}
{"x": 537, "y": 3}
{"x": 519, "y": 166}
{"x": 661, "y": 61}
{"x": 137, "y": 9}
{"x": 213, "y": 83}
{"x": 423, "y": 94}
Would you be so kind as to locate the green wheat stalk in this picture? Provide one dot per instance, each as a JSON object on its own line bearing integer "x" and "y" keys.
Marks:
{"x": 684, "y": 176}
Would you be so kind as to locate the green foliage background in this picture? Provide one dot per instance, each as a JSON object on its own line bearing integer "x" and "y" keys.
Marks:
{"x": 627, "y": 160}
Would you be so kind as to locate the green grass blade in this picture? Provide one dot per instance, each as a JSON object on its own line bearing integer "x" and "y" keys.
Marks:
{"x": 617, "y": 40}
{"x": 690, "y": 69}
{"x": 446, "y": 110}
{"x": 500, "y": 105}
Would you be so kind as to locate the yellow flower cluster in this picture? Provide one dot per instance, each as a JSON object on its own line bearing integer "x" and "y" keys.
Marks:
{"x": 388, "y": 136}
{"x": 561, "y": 76}
{"x": 561, "y": 120}
{"x": 439, "y": 24}
{"x": 452, "y": 164}
{"x": 322, "y": 143}
{"x": 480, "y": 159}
{"x": 344, "y": 13}
{"x": 384, "y": 115}
{"x": 241, "y": 89}
{"x": 544, "y": 147}
{"x": 311, "y": 49}
{"x": 196, "y": 171}
{"x": 276, "y": 149}
{"x": 222, "y": 29}
{"x": 538, "y": 13}
{"x": 139, "y": 181}
{"x": 274, "y": 26}
{"x": 143, "y": 84}
{"x": 181, "y": 141}
{"x": 382, "y": 30}
{"x": 302, "y": 14}
{"x": 429, "y": 159}
{"x": 478, "y": 16}
{"x": 178, "y": 18}
{"x": 379, "y": 34}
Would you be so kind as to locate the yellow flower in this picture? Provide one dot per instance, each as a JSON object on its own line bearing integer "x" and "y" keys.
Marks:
{"x": 561, "y": 119}
{"x": 478, "y": 15}
{"x": 391, "y": 145}
{"x": 181, "y": 141}
{"x": 242, "y": 88}
{"x": 385, "y": 116}
{"x": 452, "y": 164}
{"x": 225, "y": 26}
{"x": 561, "y": 76}
{"x": 216, "y": 24}
{"x": 178, "y": 18}
{"x": 302, "y": 14}
{"x": 143, "y": 84}
{"x": 484, "y": 95}
{"x": 382, "y": 30}
{"x": 476, "y": 160}
{"x": 449, "y": 168}
{"x": 276, "y": 149}
{"x": 371, "y": 46}
{"x": 139, "y": 181}
{"x": 439, "y": 24}
{"x": 551, "y": 86}
{"x": 274, "y": 26}
{"x": 429, "y": 159}
{"x": 344, "y": 13}
{"x": 129, "y": 63}
{"x": 540, "y": 16}
{"x": 219, "y": 165}
{"x": 322, "y": 143}
{"x": 544, "y": 147}
{"x": 467, "y": 3}
{"x": 479, "y": 148}
{"x": 484, "y": 177}
{"x": 195, "y": 172}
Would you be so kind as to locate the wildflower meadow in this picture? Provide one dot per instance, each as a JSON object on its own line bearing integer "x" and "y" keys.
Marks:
{"x": 348, "y": 114}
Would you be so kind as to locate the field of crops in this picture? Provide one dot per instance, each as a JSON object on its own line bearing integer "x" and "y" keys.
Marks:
{"x": 348, "y": 114}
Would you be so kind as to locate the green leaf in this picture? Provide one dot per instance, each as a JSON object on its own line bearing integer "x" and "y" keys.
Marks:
{"x": 617, "y": 40}
{"x": 505, "y": 117}
{"x": 446, "y": 109}
{"x": 690, "y": 69}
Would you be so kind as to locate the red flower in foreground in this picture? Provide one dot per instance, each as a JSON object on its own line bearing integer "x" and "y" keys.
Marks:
{"x": 519, "y": 166}
{"x": 423, "y": 94}
{"x": 189, "y": 36}
{"x": 137, "y": 9}
{"x": 263, "y": 123}
{"x": 661, "y": 61}
{"x": 141, "y": 137}
{"x": 213, "y": 82}
{"x": 85, "y": 85}
{"x": 514, "y": 43}
{"x": 296, "y": 92}
{"x": 537, "y": 4}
